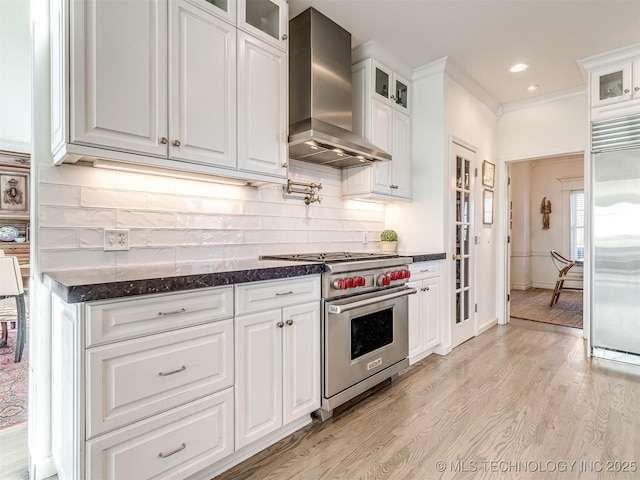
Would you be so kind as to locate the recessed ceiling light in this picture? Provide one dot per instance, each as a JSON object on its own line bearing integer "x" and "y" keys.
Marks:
{"x": 520, "y": 67}
{"x": 533, "y": 87}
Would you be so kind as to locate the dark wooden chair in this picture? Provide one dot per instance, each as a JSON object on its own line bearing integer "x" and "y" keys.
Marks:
{"x": 563, "y": 265}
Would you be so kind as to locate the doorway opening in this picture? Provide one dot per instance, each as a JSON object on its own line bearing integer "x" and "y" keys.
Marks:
{"x": 545, "y": 214}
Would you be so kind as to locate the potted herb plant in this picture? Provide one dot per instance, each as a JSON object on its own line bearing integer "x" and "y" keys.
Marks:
{"x": 389, "y": 239}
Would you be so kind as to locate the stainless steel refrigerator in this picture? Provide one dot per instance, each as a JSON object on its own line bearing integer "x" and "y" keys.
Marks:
{"x": 615, "y": 313}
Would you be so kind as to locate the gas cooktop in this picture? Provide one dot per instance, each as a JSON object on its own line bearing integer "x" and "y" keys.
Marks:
{"x": 330, "y": 257}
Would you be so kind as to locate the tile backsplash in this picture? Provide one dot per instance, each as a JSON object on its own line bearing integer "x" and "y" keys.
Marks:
{"x": 178, "y": 221}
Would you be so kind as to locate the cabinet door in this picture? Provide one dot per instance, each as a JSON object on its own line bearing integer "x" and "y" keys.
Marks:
{"x": 226, "y": 9}
{"x": 401, "y": 163}
{"x": 203, "y": 87}
{"x": 401, "y": 94}
{"x": 119, "y": 75}
{"x": 258, "y": 375}
{"x": 611, "y": 85}
{"x": 262, "y": 107}
{"x": 266, "y": 19}
{"x": 431, "y": 310}
{"x": 381, "y": 136}
{"x": 416, "y": 321}
{"x": 382, "y": 82}
{"x": 301, "y": 360}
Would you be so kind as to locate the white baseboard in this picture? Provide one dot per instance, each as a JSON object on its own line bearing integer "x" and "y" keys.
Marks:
{"x": 487, "y": 326}
{"x": 42, "y": 469}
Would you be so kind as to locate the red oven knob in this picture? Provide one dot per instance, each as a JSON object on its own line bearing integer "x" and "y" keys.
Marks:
{"x": 394, "y": 275}
{"x": 407, "y": 274}
{"x": 386, "y": 281}
{"x": 353, "y": 282}
{"x": 361, "y": 281}
{"x": 383, "y": 280}
{"x": 340, "y": 284}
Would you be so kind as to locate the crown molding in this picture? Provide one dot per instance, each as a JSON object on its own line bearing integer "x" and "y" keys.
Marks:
{"x": 541, "y": 99}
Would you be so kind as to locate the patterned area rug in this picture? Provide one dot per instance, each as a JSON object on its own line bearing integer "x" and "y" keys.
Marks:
{"x": 14, "y": 381}
{"x": 533, "y": 304}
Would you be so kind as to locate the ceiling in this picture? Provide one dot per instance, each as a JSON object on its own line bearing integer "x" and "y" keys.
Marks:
{"x": 486, "y": 37}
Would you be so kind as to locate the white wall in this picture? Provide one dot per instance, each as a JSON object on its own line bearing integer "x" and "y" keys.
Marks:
{"x": 15, "y": 76}
{"x": 543, "y": 128}
{"x": 176, "y": 221}
{"x": 520, "y": 225}
{"x": 471, "y": 121}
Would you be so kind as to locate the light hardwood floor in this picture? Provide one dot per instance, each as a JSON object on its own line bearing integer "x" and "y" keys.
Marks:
{"x": 13, "y": 453}
{"x": 517, "y": 402}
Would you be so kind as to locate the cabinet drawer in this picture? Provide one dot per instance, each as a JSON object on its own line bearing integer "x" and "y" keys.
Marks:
{"x": 172, "y": 445}
{"x": 111, "y": 321}
{"x": 257, "y": 296}
{"x": 137, "y": 378}
{"x": 425, "y": 270}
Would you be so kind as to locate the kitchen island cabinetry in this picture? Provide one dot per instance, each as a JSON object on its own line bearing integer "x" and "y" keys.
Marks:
{"x": 424, "y": 309}
{"x": 277, "y": 355}
{"x": 383, "y": 118}
{"x": 155, "y": 83}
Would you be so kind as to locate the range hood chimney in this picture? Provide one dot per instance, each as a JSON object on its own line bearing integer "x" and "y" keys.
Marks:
{"x": 320, "y": 106}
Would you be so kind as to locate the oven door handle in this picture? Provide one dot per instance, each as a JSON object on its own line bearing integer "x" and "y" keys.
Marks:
{"x": 370, "y": 301}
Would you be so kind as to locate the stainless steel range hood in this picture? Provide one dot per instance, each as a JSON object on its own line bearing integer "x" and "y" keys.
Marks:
{"x": 320, "y": 108}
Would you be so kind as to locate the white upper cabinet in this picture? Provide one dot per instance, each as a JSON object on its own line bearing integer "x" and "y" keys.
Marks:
{"x": 265, "y": 19}
{"x": 203, "y": 87}
{"x": 381, "y": 115}
{"x": 262, "y": 107}
{"x": 614, "y": 83}
{"x": 156, "y": 82}
{"x": 390, "y": 87}
{"x": 119, "y": 75}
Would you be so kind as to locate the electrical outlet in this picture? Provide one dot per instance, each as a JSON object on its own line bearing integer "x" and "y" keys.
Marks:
{"x": 365, "y": 238}
{"x": 116, "y": 239}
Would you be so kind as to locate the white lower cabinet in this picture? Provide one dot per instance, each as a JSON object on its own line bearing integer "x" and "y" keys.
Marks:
{"x": 152, "y": 386}
{"x": 171, "y": 445}
{"x": 277, "y": 356}
{"x": 424, "y": 310}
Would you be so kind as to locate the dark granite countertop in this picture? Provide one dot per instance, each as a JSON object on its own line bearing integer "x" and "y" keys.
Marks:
{"x": 106, "y": 283}
{"x": 423, "y": 257}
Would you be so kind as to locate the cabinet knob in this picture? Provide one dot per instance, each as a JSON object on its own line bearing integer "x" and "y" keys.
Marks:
{"x": 289, "y": 322}
{"x": 176, "y": 143}
{"x": 163, "y": 140}
{"x": 284, "y": 36}
{"x": 280, "y": 324}
{"x": 637, "y": 89}
{"x": 626, "y": 90}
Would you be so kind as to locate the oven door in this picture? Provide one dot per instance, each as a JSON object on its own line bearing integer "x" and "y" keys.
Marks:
{"x": 363, "y": 335}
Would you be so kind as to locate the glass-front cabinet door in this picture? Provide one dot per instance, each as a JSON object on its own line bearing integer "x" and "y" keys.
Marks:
{"x": 265, "y": 19}
{"x": 390, "y": 87}
{"x": 611, "y": 85}
{"x": 226, "y": 9}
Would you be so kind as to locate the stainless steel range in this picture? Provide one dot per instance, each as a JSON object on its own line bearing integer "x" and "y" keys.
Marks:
{"x": 365, "y": 322}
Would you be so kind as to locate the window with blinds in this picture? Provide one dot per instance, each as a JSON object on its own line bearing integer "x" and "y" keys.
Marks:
{"x": 577, "y": 225}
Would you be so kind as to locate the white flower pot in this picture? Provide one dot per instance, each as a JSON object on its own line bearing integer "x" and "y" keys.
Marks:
{"x": 389, "y": 247}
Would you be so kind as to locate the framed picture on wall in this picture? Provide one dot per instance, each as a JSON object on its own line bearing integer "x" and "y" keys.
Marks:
{"x": 487, "y": 207}
{"x": 488, "y": 172}
{"x": 14, "y": 195}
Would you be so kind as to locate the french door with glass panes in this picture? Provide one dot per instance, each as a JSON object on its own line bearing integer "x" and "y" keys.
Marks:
{"x": 463, "y": 327}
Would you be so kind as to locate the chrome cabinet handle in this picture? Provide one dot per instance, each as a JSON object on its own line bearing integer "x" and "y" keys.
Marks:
{"x": 176, "y": 143}
{"x": 172, "y": 372}
{"x": 163, "y": 140}
{"x": 173, "y": 452}
{"x": 424, "y": 289}
{"x": 290, "y": 292}
{"x": 426, "y": 270}
{"x": 289, "y": 322}
{"x": 457, "y": 257}
{"x": 175, "y": 312}
{"x": 280, "y": 324}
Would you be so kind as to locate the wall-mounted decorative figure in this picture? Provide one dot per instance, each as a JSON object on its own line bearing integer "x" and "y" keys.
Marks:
{"x": 545, "y": 210}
